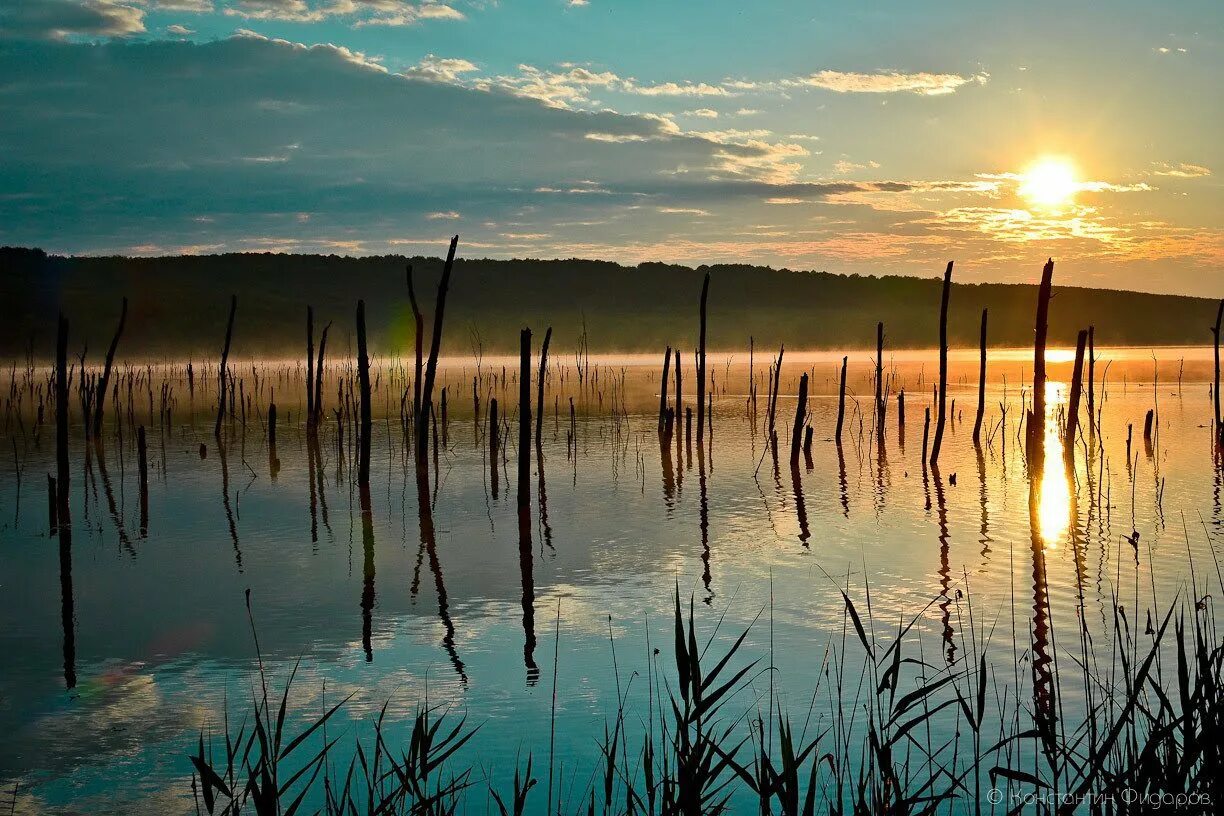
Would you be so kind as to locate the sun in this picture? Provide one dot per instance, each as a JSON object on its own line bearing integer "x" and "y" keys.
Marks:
{"x": 1049, "y": 182}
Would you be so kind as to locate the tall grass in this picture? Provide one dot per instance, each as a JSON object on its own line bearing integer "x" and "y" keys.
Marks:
{"x": 901, "y": 735}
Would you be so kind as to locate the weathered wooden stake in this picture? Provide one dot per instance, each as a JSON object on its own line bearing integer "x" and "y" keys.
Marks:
{"x": 943, "y": 366}
{"x": 663, "y": 390}
{"x": 100, "y": 401}
{"x": 435, "y": 345}
{"x": 62, "y": 473}
{"x": 879, "y": 379}
{"x": 1035, "y": 429}
{"x": 800, "y": 417}
{"x": 841, "y": 402}
{"x": 539, "y": 418}
{"x": 310, "y": 374}
{"x": 524, "y": 441}
{"x": 1073, "y": 401}
{"x": 701, "y": 362}
{"x": 981, "y": 406}
{"x": 363, "y": 382}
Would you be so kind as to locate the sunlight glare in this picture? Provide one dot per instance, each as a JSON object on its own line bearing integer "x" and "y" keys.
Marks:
{"x": 1054, "y": 504}
{"x": 1049, "y": 182}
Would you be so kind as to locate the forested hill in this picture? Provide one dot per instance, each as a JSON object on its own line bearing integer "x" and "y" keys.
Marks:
{"x": 178, "y": 305}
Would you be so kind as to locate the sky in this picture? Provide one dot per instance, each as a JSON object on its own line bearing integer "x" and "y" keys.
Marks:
{"x": 868, "y": 138}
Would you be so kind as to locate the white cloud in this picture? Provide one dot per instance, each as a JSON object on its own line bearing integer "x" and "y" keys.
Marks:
{"x": 923, "y": 83}
{"x": 448, "y": 215}
{"x": 178, "y": 30}
{"x": 1180, "y": 170}
{"x": 702, "y": 113}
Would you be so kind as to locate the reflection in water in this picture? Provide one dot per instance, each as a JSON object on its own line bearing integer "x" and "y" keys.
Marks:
{"x": 1054, "y": 502}
{"x": 67, "y": 604}
{"x": 528, "y": 583}
{"x": 841, "y": 481}
{"x": 704, "y": 524}
{"x": 429, "y": 544}
{"x": 800, "y": 505}
{"x": 367, "y": 572}
{"x": 945, "y": 567}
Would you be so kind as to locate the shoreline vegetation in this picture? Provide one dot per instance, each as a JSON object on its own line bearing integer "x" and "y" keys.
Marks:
{"x": 178, "y": 305}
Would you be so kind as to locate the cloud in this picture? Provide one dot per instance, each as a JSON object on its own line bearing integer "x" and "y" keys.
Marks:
{"x": 123, "y": 144}
{"x": 923, "y": 83}
{"x": 61, "y": 19}
{"x": 448, "y": 215}
{"x": 362, "y": 12}
{"x": 702, "y": 113}
{"x": 1181, "y": 170}
{"x": 178, "y": 30}
{"x": 843, "y": 166}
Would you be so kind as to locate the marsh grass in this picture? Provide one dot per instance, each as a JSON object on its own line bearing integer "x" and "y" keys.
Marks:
{"x": 902, "y": 734}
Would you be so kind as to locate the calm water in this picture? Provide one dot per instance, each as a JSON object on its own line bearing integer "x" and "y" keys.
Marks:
{"x": 156, "y": 639}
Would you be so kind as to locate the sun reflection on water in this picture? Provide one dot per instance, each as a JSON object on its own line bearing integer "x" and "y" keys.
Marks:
{"x": 1054, "y": 501}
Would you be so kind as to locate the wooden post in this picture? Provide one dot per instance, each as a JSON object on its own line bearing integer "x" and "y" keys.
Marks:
{"x": 418, "y": 321}
{"x": 1035, "y": 429}
{"x": 524, "y": 441}
{"x": 62, "y": 473}
{"x": 901, "y": 412}
{"x": 841, "y": 402}
{"x": 926, "y": 429}
{"x": 142, "y": 459}
{"x": 363, "y": 382}
{"x": 679, "y": 389}
{"x": 943, "y": 366}
{"x": 310, "y": 375}
{"x": 663, "y": 390}
{"x": 539, "y": 417}
{"x": 494, "y": 444}
{"x": 1073, "y": 401}
{"x": 1091, "y": 380}
{"x": 435, "y": 345}
{"x": 221, "y": 375}
{"x": 100, "y": 401}
{"x": 981, "y": 406}
{"x": 318, "y": 391}
{"x": 1215, "y": 391}
{"x": 701, "y": 362}
{"x": 879, "y": 383}
{"x": 800, "y": 416}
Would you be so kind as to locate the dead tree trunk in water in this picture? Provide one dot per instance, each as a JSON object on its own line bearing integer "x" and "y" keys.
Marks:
{"x": 841, "y": 402}
{"x": 431, "y": 369}
{"x": 524, "y": 441}
{"x": 1215, "y": 389}
{"x": 1091, "y": 380}
{"x": 800, "y": 417}
{"x": 100, "y": 402}
{"x": 539, "y": 417}
{"x": 773, "y": 397}
{"x": 701, "y": 362}
{"x": 981, "y": 408}
{"x": 879, "y": 383}
{"x": 679, "y": 389}
{"x": 1073, "y": 401}
{"x": 494, "y": 444}
{"x": 419, "y": 340}
{"x": 318, "y": 390}
{"x": 310, "y": 385}
{"x": 229, "y": 335}
{"x": 663, "y": 389}
{"x": 62, "y": 472}
{"x": 363, "y": 381}
{"x": 943, "y": 366}
{"x": 1034, "y": 429}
